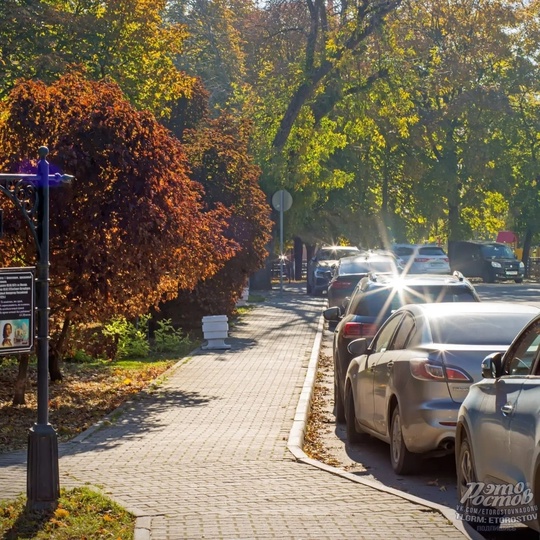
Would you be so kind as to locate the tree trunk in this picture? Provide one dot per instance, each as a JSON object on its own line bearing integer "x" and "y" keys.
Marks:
{"x": 56, "y": 351}
{"x": 19, "y": 391}
{"x": 298, "y": 258}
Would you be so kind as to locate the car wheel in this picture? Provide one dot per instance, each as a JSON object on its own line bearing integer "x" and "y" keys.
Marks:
{"x": 353, "y": 436}
{"x": 519, "y": 280}
{"x": 403, "y": 461}
{"x": 465, "y": 471}
{"x": 339, "y": 407}
{"x": 308, "y": 288}
{"x": 466, "y": 474}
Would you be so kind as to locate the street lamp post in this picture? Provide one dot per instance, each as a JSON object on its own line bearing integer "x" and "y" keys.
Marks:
{"x": 30, "y": 194}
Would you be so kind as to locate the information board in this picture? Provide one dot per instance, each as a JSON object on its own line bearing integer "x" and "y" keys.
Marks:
{"x": 16, "y": 310}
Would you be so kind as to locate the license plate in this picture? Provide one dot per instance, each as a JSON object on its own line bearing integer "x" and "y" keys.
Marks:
{"x": 511, "y": 273}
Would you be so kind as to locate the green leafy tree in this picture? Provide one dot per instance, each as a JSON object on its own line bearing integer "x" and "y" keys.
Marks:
{"x": 214, "y": 49}
{"x": 453, "y": 61}
{"x": 125, "y": 40}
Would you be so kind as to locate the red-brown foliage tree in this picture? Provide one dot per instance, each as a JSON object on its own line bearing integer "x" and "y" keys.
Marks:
{"x": 132, "y": 229}
{"x": 219, "y": 160}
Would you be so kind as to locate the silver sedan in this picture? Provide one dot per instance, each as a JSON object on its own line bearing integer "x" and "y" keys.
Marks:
{"x": 407, "y": 385}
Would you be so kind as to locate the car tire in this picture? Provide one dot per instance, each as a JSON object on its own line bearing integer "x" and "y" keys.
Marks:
{"x": 339, "y": 406}
{"x": 519, "y": 280}
{"x": 308, "y": 288}
{"x": 465, "y": 471}
{"x": 403, "y": 461}
{"x": 465, "y": 474}
{"x": 353, "y": 435}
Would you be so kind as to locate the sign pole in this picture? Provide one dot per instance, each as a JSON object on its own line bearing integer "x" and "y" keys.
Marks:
{"x": 30, "y": 195}
{"x": 281, "y": 201}
{"x": 281, "y": 194}
{"x": 43, "y": 478}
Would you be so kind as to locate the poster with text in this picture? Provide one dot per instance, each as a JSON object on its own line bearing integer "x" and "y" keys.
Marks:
{"x": 16, "y": 310}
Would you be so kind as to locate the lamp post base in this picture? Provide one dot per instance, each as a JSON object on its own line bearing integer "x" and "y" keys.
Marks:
{"x": 43, "y": 478}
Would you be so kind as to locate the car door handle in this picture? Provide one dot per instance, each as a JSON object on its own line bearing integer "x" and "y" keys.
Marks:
{"x": 390, "y": 365}
{"x": 507, "y": 409}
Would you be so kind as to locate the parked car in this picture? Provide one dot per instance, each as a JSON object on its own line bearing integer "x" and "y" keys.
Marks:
{"x": 373, "y": 300}
{"x": 406, "y": 387}
{"x": 498, "y": 429}
{"x": 319, "y": 268}
{"x": 422, "y": 259}
{"x": 350, "y": 270}
{"x": 491, "y": 261}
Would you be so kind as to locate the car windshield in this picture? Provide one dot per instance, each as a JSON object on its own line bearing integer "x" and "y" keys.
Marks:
{"x": 497, "y": 251}
{"x": 363, "y": 266}
{"x": 334, "y": 254}
{"x": 385, "y": 301}
{"x": 477, "y": 328}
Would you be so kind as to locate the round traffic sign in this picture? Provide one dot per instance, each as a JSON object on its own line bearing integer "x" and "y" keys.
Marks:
{"x": 282, "y": 197}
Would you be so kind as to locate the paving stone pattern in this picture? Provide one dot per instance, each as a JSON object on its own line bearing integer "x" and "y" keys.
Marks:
{"x": 205, "y": 455}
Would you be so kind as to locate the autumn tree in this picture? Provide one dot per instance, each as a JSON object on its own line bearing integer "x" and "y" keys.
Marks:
{"x": 132, "y": 229}
{"x": 219, "y": 160}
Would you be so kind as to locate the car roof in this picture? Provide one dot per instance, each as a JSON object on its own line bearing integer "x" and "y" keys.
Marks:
{"x": 471, "y": 307}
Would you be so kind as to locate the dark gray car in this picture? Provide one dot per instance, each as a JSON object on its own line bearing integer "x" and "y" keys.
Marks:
{"x": 373, "y": 300}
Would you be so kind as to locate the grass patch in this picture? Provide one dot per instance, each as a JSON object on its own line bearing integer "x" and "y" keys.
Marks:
{"x": 81, "y": 513}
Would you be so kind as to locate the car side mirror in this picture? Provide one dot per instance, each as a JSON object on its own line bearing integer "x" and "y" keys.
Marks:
{"x": 358, "y": 347}
{"x": 332, "y": 314}
{"x": 492, "y": 366}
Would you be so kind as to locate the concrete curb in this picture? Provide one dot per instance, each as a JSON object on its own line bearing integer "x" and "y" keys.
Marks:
{"x": 296, "y": 442}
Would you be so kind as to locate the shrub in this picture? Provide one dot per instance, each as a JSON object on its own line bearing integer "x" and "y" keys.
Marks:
{"x": 131, "y": 340}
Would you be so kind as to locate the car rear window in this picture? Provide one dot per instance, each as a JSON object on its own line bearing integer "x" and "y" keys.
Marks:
{"x": 478, "y": 328}
{"x": 404, "y": 251}
{"x": 366, "y": 266}
{"x": 432, "y": 250}
{"x": 385, "y": 301}
{"x": 334, "y": 254}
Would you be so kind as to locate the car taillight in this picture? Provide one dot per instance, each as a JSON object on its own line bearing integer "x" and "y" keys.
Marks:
{"x": 422, "y": 369}
{"x": 358, "y": 330}
{"x": 342, "y": 284}
{"x": 446, "y": 259}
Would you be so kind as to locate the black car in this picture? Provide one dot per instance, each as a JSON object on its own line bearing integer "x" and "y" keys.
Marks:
{"x": 350, "y": 270}
{"x": 491, "y": 261}
{"x": 321, "y": 266}
{"x": 373, "y": 300}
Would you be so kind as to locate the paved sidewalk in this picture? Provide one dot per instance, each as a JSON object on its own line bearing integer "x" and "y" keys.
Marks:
{"x": 215, "y": 451}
